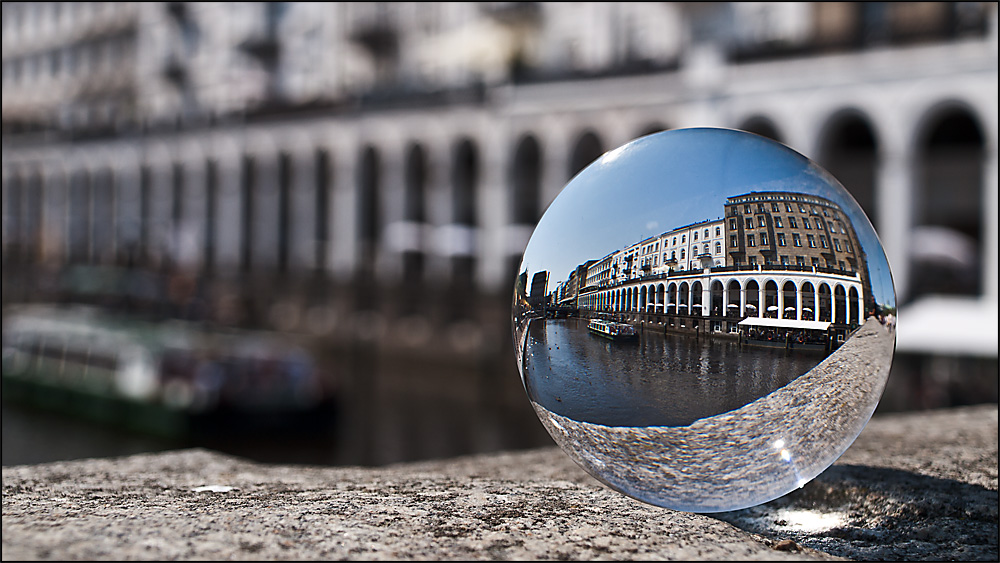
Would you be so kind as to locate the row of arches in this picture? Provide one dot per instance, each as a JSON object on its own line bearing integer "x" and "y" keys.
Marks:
{"x": 286, "y": 213}
{"x": 793, "y": 299}
{"x": 947, "y": 156}
{"x": 282, "y": 208}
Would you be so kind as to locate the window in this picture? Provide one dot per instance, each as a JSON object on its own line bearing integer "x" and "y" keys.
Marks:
{"x": 695, "y": 235}
{"x": 732, "y": 224}
{"x": 792, "y": 222}
{"x": 788, "y": 207}
{"x": 812, "y": 241}
{"x": 752, "y": 260}
{"x": 774, "y": 207}
{"x": 716, "y": 232}
{"x": 673, "y": 255}
{"x": 800, "y": 260}
{"x": 749, "y": 223}
{"x": 826, "y": 213}
{"x": 733, "y": 242}
{"x": 675, "y": 241}
{"x": 683, "y": 238}
{"x": 802, "y": 208}
{"x": 706, "y": 248}
{"x": 777, "y": 222}
{"x": 805, "y": 222}
{"x": 746, "y": 209}
{"x": 763, "y": 239}
{"x": 815, "y": 262}
{"x": 841, "y": 264}
{"x": 784, "y": 260}
{"x": 819, "y": 223}
{"x": 760, "y": 208}
{"x": 796, "y": 239}
{"x": 750, "y": 240}
{"x": 781, "y": 239}
{"x": 831, "y": 227}
{"x": 718, "y": 248}
{"x": 682, "y": 254}
{"x": 836, "y": 244}
{"x": 849, "y": 247}
{"x": 822, "y": 241}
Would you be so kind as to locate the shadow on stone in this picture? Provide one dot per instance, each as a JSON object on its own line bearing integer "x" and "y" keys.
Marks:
{"x": 872, "y": 513}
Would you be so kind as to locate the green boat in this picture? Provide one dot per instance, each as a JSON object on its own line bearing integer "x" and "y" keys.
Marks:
{"x": 612, "y": 330}
{"x": 166, "y": 380}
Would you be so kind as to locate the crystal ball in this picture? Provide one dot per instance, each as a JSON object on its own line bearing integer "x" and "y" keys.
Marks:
{"x": 703, "y": 319}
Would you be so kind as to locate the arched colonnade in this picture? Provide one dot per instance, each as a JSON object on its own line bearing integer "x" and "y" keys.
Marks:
{"x": 823, "y": 297}
{"x": 427, "y": 198}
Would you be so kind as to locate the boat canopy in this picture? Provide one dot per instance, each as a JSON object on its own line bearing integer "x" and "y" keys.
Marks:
{"x": 784, "y": 323}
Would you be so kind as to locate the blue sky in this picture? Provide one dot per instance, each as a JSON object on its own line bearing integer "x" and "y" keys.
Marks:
{"x": 672, "y": 179}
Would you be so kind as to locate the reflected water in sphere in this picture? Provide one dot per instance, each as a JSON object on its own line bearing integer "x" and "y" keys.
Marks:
{"x": 704, "y": 319}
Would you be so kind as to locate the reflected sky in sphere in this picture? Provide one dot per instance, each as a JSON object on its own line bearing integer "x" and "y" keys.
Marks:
{"x": 704, "y": 319}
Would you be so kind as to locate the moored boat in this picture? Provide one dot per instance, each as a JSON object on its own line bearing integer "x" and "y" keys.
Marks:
{"x": 612, "y": 330}
{"x": 168, "y": 380}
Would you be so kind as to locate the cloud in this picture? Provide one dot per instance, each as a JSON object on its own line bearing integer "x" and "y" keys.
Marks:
{"x": 652, "y": 225}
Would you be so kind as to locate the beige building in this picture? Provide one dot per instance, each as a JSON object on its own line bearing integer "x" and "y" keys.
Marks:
{"x": 769, "y": 229}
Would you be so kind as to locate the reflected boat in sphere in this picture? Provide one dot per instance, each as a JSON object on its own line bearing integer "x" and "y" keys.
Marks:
{"x": 612, "y": 330}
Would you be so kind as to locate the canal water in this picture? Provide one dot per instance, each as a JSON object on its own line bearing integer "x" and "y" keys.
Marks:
{"x": 656, "y": 380}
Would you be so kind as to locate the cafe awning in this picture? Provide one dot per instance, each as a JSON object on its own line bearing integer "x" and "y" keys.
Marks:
{"x": 784, "y": 323}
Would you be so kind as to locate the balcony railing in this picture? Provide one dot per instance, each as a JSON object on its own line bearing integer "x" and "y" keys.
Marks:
{"x": 784, "y": 268}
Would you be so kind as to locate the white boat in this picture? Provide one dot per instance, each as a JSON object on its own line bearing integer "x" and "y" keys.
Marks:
{"x": 168, "y": 379}
{"x": 612, "y": 330}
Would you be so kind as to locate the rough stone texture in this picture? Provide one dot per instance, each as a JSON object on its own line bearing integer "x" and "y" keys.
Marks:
{"x": 914, "y": 486}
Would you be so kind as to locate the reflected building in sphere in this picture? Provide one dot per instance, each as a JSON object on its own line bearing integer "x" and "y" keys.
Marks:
{"x": 779, "y": 255}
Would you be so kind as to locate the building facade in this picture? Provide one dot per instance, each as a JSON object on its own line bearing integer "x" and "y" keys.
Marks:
{"x": 601, "y": 273}
{"x": 416, "y": 144}
{"x": 784, "y": 228}
{"x": 693, "y": 247}
{"x": 772, "y": 275}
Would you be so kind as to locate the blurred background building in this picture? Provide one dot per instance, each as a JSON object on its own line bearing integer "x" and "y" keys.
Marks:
{"x": 363, "y": 177}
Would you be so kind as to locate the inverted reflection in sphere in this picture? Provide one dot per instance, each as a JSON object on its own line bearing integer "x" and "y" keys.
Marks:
{"x": 704, "y": 319}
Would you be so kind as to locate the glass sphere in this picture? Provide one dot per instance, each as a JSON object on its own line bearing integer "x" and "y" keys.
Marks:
{"x": 703, "y": 319}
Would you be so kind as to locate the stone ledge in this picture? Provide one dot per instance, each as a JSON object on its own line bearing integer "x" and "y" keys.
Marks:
{"x": 913, "y": 486}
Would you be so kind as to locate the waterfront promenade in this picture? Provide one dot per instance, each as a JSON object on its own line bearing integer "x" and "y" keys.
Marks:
{"x": 917, "y": 486}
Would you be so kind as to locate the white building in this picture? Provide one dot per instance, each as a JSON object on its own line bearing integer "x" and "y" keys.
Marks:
{"x": 693, "y": 247}
{"x": 420, "y": 142}
{"x": 601, "y": 272}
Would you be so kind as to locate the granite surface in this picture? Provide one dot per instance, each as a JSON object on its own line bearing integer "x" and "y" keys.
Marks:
{"x": 916, "y": 486}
